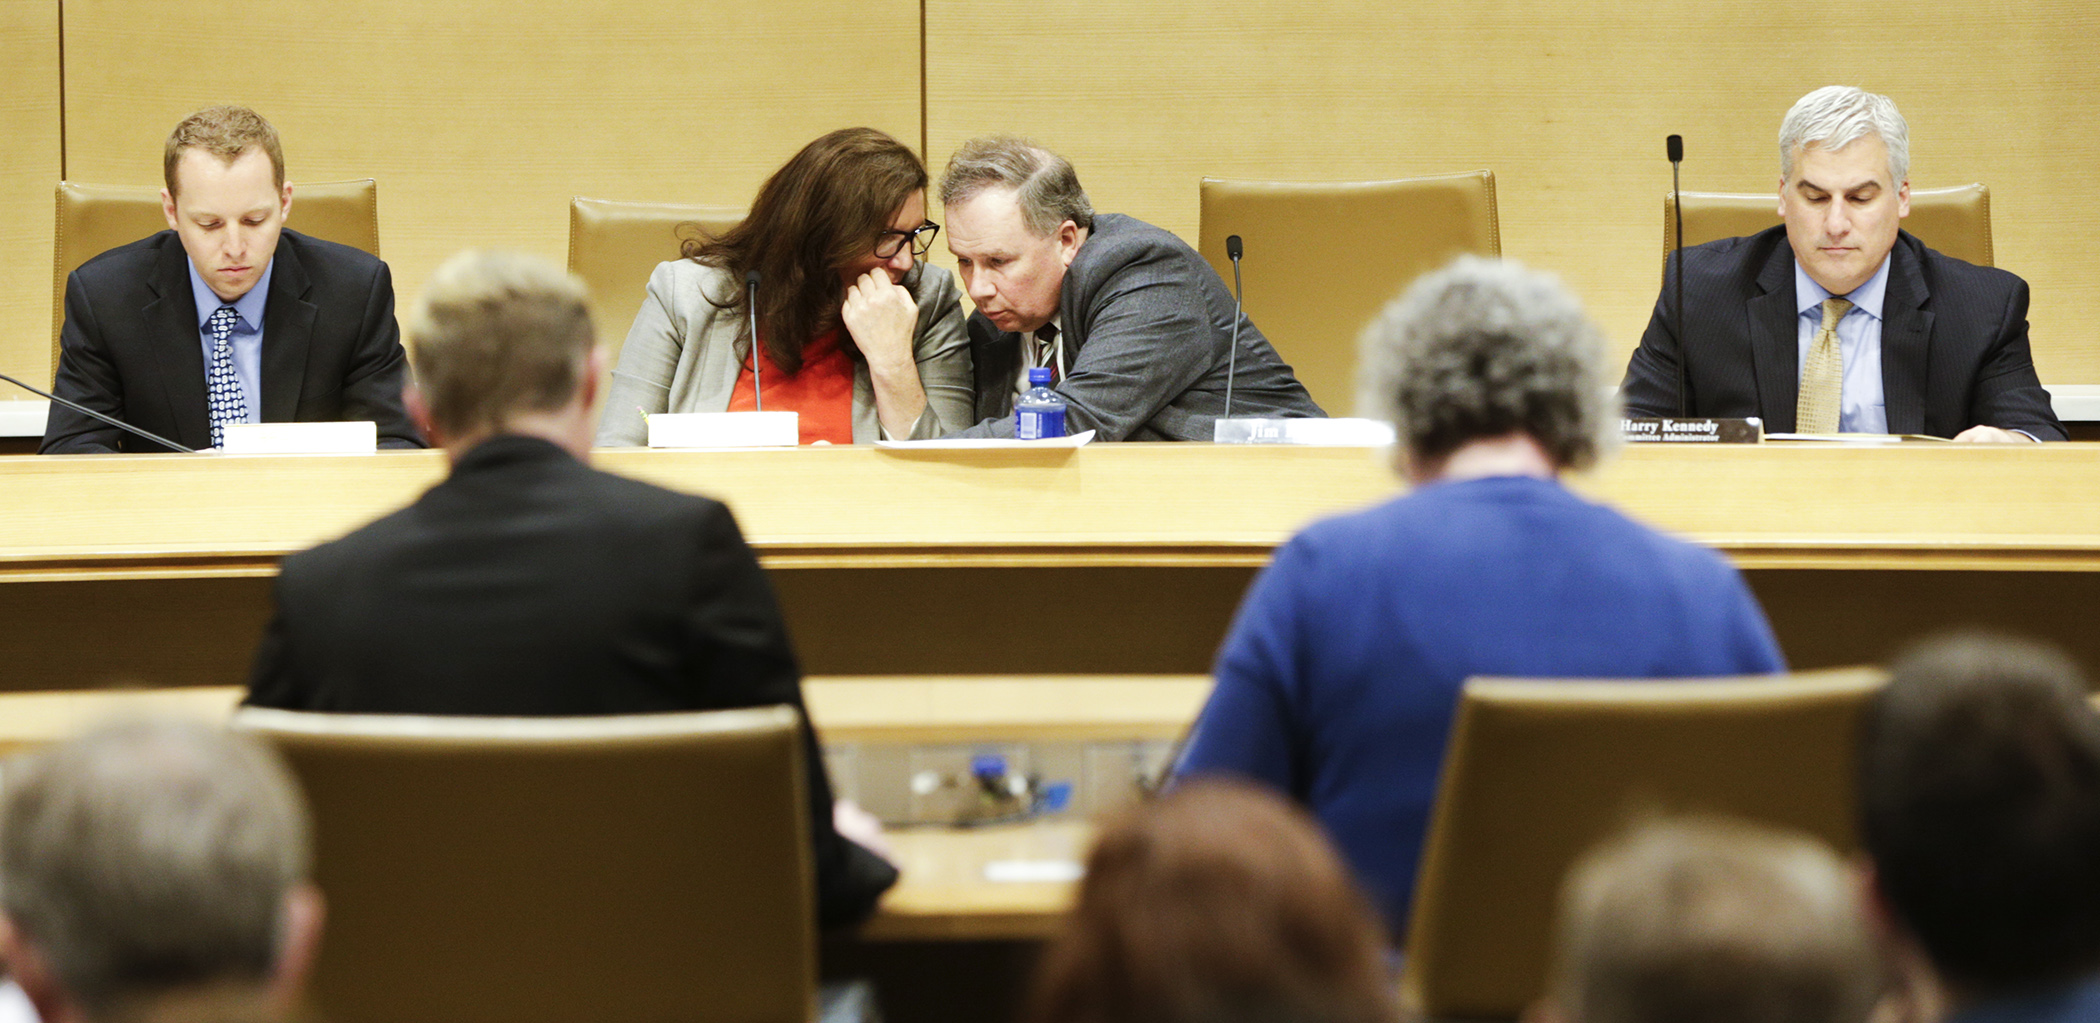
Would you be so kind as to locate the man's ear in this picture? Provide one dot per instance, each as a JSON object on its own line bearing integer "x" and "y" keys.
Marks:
{"x": 286, "y": 199}
{"x": 167, "y": 208}
{"x": 33, "y": 974}
{"x": 298, "y": 943}
{"x": 419, "y": 414}
{"x": 594, "y": 366}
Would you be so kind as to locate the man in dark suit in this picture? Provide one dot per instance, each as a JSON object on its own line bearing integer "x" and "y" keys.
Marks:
{"x": 528, "y": 583}
{"x": 226, "y": 317}
{"x": 1135, "y": 326}
{"x": 1852, "y": 325}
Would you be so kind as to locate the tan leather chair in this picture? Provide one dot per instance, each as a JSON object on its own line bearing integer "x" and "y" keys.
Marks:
{"x": 1538, "y": 771}
{"x": 1322, "y": 258}
{"x": 615, "y": 245}
{"x": 93, "y": 219}
{"x": 1956, "y": 221}
{"x": 515, "y": 870}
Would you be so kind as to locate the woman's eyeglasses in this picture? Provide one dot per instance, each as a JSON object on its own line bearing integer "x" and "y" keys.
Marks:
{"x": 889, "y": 243}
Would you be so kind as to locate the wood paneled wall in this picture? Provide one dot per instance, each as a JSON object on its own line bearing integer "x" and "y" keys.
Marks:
{"x": 29, "y": 171}
{"x": 480, "y": 120}
{"x": 1567, "y": 102}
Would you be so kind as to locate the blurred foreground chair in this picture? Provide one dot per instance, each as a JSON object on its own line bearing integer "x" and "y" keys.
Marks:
{"x": 1540, "y": 770}
{"x": 93, "y": 219}
{"x": 1322, "y": 258}
{"x": 518, "y": 870}
{"x": 615, "y": 245}
{"x": 1956, "y": 221}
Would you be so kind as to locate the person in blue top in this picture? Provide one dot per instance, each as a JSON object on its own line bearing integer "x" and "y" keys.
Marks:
{"x": 1338, "y": 681}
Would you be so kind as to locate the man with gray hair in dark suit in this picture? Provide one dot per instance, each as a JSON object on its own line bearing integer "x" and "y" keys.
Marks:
{"x": 1136, "y": 329}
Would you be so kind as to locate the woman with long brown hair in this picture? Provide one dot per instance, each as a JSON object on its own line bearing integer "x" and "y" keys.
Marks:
{"x": 854, "y": 333}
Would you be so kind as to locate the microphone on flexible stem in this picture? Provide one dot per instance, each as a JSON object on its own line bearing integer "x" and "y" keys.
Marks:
{"x": 111, "y": 420}
{"x": 1233, "y": 248}
{"x": 1675, "y": 150}
{"x": 758, "y": 392}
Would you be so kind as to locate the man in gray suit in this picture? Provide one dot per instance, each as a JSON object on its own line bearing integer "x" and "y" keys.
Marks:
{"x": 1136, "y": 328}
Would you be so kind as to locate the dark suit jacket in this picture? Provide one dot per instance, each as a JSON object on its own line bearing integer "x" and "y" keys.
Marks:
{"x": 1147, "y": 330}
{"x": 130, "y": 346}
{"x": 530, "y": 584}
{"x": 1953, "y": 342}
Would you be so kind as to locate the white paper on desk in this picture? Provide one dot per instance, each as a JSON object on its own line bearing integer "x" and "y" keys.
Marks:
{"x": 1076, "y": 440}
{"x": 351, "y": 438}
{"x": 1033, "y": 870}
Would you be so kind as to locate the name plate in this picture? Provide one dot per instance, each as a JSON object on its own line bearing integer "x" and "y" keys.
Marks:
{"x": 725, "y": 430}
{"x": 357, "y": 438}
{"x": 1665, "y": 430}
{"x": 1334, "y": 433}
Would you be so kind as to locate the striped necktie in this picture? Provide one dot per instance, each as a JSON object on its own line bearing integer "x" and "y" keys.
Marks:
{"x": 1823, "y": 376}
{"x": 1043, "y": 351}
{"x": 228, "y": 404}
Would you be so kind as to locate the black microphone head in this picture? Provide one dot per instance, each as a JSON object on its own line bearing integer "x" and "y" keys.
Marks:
{"x": 750, "y": 278}
{"x": 1675, "y": 144}
{"x": 1232, "y": 246}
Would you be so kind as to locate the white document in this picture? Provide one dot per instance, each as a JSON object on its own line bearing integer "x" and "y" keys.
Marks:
{"x": 357, "y": 438}
{"x": 725, "y": 430}
{"x": 1021, "y": 871}
{"x": 1079, "y": 439}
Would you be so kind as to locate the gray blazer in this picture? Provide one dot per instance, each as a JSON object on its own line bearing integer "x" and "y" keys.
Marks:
{"x": 683, "y": 354}
{"x": 1147, "y": 332}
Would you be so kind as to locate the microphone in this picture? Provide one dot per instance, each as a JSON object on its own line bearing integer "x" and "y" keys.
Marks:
{"x": 758, "y": 392}
{"x": 1674, "y": 147}
{"x": 1233, "y": 248}
{"x": 111, "y": 420}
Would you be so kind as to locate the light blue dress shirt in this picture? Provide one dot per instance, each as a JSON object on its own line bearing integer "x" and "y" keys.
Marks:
{"x": 1860, "y": 399}
{"x": 247, "y": 333}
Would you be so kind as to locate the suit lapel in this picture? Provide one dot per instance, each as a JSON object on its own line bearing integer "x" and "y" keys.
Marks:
{"x": 1906, "y": 335}
{"x": 288, "y": 332}
{"x": 178, "y": 347}
{"x": 1775, "y": 342}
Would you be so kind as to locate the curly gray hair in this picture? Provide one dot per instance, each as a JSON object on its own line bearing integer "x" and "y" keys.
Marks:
{"x": 1834, "y": 117}
{"x": 1486, "y": 348}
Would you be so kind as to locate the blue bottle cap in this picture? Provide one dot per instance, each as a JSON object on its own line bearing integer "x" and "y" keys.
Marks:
{"x": 987, "y": 765}
{"x": 1039, "y": 376}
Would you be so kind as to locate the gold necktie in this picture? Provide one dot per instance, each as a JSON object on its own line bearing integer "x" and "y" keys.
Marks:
{"x": 1823, "y": 376}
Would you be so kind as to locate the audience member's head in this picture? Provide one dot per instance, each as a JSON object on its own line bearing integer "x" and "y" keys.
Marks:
{"x": 1980, "y": 808}
{"x": 1487, "y": 350}
{"x": 502, "y": 342}
{"x": 151, "y": 863}
{"x": 1713, "y": 921}
{"x": 1218, "y": 903}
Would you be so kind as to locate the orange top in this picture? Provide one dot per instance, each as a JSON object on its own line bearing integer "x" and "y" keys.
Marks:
{"x": 822, "y": 392}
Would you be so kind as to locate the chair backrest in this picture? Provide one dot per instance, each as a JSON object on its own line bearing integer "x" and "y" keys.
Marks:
{"x": 615, "y": 245}
{"x": 1538, "y": 771}
{"x": 1956, "y": 221}
{"x": 1322, "y": 258}
{"x": 93, "y": 219}
{"x": 543, "y": 869}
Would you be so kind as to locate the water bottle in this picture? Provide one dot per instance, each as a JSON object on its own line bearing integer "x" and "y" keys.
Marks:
{"x": 1040, "y": 414}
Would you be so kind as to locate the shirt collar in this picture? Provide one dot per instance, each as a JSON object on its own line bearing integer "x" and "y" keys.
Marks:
{"x": 1808, "y": 295}
{"x": 249, "y": 306}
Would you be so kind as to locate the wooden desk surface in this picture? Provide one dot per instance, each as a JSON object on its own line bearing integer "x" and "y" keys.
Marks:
{"x": 942, "y": 892}
{"x": 1149, "y": 505}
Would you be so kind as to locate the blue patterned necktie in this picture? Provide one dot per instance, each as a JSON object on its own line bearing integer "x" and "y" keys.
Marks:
{"x": 228, "y": 404}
